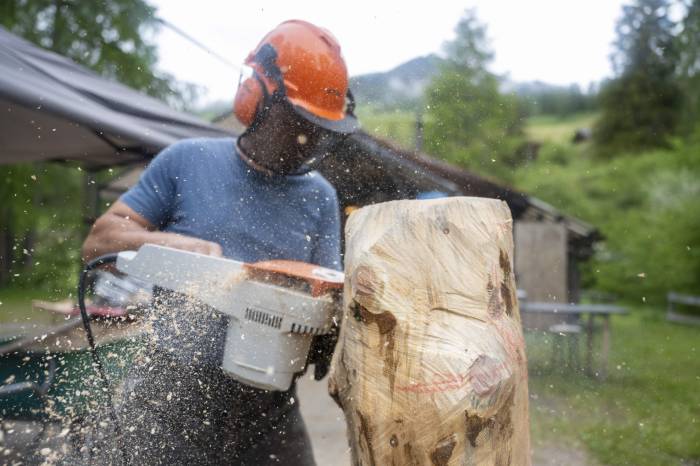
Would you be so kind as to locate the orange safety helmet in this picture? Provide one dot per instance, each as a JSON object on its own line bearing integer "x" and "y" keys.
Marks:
{"x": 302, "y": 63}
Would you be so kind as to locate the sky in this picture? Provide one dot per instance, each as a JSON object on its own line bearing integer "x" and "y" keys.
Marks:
{"x": 555, "y": 41}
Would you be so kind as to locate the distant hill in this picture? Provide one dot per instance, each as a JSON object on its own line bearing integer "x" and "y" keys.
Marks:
{"x": 402, "y": 88}
{"x": 399, "y": 88}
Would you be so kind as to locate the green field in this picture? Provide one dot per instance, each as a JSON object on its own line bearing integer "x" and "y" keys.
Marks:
{"x": 399, "y": 126}
{"x": 550, "y": 128}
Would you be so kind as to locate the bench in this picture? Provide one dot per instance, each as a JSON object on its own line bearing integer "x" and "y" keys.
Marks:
{"x": 684, "y": 299}
{"x": 593, "y": 311}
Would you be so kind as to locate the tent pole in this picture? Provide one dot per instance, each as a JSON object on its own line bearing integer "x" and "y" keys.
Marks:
{"x": 92, "y": 199}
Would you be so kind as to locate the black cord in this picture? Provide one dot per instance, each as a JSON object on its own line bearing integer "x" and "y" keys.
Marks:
{"x": 91, "y": 265}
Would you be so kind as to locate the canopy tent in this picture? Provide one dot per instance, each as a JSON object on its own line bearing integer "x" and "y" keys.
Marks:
{"x": 54, "y": 109}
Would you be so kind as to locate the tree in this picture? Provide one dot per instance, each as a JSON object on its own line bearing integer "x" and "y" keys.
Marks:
{"x": 469, "y": 121}
{"x": 40, "y": 219}
{"x": 688, "y": 44}
{"x": 105, "y": 36}
{"x": 641, "y": 106}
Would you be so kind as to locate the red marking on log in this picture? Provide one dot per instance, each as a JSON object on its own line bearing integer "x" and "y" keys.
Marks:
{"x": 441, "y": 383}
{"x": 486, "y": 373}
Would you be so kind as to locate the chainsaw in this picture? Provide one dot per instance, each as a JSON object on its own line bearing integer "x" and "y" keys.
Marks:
{"x": 275, "y": 308}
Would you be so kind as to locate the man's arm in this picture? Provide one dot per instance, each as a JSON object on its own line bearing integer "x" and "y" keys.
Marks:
{"x": 121, "y": 229}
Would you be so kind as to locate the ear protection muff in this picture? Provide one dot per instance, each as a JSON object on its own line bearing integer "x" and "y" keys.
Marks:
{"x": 253, "y": 91}
{"x": 250, "y": 93}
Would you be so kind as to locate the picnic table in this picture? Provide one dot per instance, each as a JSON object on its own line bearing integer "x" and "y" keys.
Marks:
{"x": 593, "y": 311}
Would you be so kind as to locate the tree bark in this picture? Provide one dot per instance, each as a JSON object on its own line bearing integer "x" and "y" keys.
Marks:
{"x": 430, "y": 366}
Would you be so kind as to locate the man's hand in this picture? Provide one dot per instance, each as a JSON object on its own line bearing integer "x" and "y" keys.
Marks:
{"x": 122, "y": 229}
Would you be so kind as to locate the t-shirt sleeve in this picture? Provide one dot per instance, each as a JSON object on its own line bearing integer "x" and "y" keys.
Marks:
{"x": 153, "y": 197}
{"x": 326, "y": 252}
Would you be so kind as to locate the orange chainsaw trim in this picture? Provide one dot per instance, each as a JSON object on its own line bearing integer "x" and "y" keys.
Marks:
{"x": 320, "y": 280}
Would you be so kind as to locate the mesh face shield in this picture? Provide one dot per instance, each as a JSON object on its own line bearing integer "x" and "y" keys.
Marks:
{"x": 316, "y": 143}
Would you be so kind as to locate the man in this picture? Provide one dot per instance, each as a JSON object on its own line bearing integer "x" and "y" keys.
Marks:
{"x": 250, "y": 199}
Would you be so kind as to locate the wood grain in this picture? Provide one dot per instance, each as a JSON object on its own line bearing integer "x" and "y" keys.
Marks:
{"x": 430, "y": 366}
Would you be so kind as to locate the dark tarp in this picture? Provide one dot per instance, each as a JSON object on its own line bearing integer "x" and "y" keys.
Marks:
{"x": 54, "y": 109}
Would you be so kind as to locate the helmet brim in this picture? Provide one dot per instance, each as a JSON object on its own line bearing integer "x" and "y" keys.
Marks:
{"x": 346, "y": 125}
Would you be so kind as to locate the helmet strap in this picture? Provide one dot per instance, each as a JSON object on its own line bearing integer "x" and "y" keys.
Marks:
{"x": 350, "y": 107}
{"x": 267, "y": 58}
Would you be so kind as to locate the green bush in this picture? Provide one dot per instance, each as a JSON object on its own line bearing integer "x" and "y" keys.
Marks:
{"x": 645, "y": 204}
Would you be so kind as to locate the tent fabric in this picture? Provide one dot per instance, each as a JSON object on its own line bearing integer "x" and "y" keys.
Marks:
{"x": 53, "y": 109}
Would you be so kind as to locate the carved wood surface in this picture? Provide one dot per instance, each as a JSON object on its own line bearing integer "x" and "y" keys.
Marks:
{"x": 430, "y": 366}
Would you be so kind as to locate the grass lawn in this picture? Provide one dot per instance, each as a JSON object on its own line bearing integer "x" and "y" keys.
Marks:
{"x": 648, "y": 410}
{"x": 551, "y": 128}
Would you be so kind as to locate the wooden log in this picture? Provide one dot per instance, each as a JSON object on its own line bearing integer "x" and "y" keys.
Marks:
{"x": 430, "y": 365}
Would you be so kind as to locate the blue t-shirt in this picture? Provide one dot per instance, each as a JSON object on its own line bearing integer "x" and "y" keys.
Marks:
{"x": 202, "y": 188}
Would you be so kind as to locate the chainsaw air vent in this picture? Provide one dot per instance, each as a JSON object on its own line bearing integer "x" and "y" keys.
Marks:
{"x": 306, "y": 329}
{"x": 263, "y": 317}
